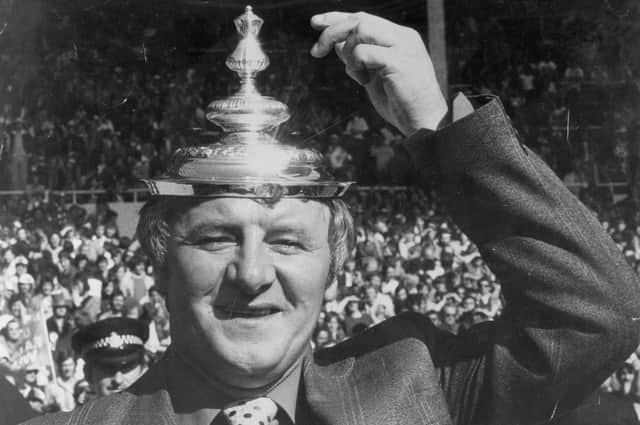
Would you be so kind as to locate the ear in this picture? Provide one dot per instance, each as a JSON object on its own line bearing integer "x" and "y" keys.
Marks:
{"x": 331, "y": 290}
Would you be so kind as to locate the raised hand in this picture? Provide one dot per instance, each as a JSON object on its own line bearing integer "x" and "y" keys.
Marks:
{"x": 390, "y": 61}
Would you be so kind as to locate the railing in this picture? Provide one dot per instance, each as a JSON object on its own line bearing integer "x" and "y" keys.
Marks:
{"x": 131, "y": 195}
{"x": 141, "y": 194}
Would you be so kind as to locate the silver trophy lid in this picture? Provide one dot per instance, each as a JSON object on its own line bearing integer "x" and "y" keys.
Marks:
{"x": 247, "y": 161}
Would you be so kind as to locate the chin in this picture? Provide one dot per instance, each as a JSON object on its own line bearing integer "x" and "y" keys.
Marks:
{"x": 259, "y": 364}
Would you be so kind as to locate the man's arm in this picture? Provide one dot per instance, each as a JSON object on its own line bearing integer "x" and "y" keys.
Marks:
{"x": 573, "y": 302}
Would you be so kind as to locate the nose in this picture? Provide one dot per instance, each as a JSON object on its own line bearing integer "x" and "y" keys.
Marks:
{"x": 117, "y": 378}
{"x": 252, "y": 272}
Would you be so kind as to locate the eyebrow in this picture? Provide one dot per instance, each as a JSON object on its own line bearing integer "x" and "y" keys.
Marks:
{"x": 214, "y": 225}
{"x": 205, "y": 227}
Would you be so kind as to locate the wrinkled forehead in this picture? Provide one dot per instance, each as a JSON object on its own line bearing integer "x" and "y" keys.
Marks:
{"x": 308, "y": 215}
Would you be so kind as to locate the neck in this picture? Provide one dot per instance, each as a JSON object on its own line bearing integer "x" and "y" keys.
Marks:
{"x": 195, "y": 377}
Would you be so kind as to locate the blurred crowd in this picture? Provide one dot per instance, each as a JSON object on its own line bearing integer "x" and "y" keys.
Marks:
{"x": 86, "y": 114}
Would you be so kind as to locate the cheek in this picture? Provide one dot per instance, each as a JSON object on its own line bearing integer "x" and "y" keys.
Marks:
{"x": 195, "y": 273}
{"x": 304, "y": 278}
{"x": 132, "y": 375}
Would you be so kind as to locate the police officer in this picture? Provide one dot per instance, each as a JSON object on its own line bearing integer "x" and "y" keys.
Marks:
{"x": 113, "y": 351}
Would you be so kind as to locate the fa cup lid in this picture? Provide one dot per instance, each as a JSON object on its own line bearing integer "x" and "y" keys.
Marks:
{"x": 247, "y": 161}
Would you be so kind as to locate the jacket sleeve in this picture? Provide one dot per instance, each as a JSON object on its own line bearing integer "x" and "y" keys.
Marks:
{"x": 573, "y": 303}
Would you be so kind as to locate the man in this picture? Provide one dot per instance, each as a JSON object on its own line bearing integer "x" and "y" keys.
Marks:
{"x": 116, "y": 307}
{"x": 32, "y": 390}
{"x": 113, "y": 351}
{"x": 60, "y": 392}
{"x": 59, "y": 325}
{"x": 244, "y": 281}
{"x": 20, "y": 266}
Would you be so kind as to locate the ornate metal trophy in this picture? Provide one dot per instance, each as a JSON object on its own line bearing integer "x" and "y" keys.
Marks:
{"x": 247, "y": 161}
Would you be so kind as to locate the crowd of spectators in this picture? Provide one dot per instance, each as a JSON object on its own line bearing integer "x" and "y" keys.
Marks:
{"x": 569, "y": 83}
{"x": 94, "y": 115}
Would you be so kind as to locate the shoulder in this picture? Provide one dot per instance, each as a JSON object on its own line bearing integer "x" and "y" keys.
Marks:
{"x": 122, "y": 408}
{"x": 92, "y": 413}
{"x": 396, "y": 330}
{"x": 408, "y": 334}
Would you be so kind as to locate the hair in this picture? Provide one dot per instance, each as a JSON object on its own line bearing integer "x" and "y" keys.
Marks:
{"x": 159, "y": 215}
{"x": 63, "y": 355}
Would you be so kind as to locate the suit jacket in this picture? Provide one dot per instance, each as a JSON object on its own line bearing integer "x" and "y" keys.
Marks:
{"x": 572, "y": 311}
{"x": 52, "y": 326}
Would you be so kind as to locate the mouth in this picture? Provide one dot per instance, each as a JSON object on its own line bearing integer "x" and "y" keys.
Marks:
{"x": 247, "y": 312}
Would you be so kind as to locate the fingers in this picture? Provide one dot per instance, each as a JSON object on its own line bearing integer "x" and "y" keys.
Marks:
{"x": 331, "y": 35}
{"x": 323, "y": 20}
{"x": 365, "y": 58}
{"x": 359, "y": 27}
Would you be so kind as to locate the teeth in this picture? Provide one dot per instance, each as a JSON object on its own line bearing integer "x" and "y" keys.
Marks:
{"x": 252, "y": 312}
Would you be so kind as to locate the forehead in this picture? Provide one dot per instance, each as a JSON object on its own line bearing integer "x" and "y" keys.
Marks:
{"x": 302, "y": 215}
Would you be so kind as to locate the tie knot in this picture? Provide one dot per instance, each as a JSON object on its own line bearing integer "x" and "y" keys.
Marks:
{"x": 257, "y": 411}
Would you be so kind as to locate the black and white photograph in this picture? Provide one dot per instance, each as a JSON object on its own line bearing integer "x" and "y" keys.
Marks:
{"x": 320, "y": 212}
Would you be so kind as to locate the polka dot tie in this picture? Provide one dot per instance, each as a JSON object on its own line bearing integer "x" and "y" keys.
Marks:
{"x": 258, "y": 411}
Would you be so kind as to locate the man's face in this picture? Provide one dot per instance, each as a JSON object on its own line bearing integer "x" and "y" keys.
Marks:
{"x": 31, "y": 376}
{"x": 16, "y": 309}
{"x": 139, "y": 268}
{"x": 13, "y": 331}
{"x": 102, "y": 265}
{"x": 117, "y": 303}
{"x": 111, "y": 231}
{"x": 371, "y": 294}
{"x": 120, "y": 271}
{"x": 435, "y": 319}
{"x": 107, "y": 380}
{"x": 449, "y": 315}
{"x": 65, "y": 263}
{"x": 60, "y": 311}
{"x": 245, "y": 283}
{"x": 67, "y": 368}
{"x": 47, "y": 288}
{"x": 24, "y": 288}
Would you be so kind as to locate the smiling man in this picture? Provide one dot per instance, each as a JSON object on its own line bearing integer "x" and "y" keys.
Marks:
{"x": 244, "y": 271}
{"x": 240, "y": 273}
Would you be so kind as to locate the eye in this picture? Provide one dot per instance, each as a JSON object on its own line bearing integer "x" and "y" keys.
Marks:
{"x": 214, "y": 243}
{"x": 285, "y": 245}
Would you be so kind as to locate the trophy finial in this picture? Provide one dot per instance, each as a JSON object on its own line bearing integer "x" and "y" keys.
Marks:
{"x": 248, "y": 23}
{"x": 248, "y": 58}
